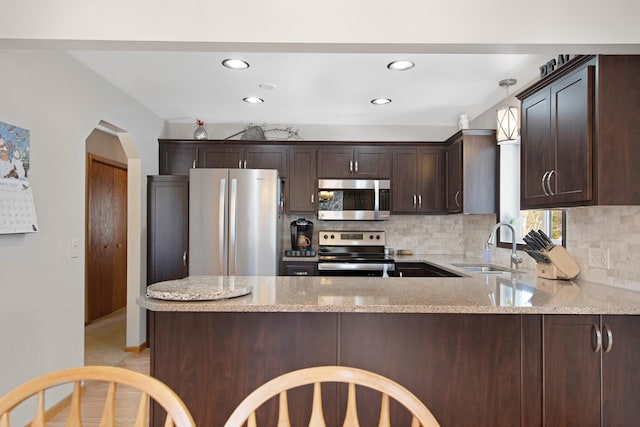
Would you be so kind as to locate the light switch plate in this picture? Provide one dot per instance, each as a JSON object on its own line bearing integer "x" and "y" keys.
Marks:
{"x": 75, "y": 248}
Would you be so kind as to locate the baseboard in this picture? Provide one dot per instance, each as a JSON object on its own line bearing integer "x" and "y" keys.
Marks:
{"x": 136, "y": 349}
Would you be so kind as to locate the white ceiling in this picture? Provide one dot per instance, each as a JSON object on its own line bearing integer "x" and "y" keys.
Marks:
{"x": 313, "y": 88}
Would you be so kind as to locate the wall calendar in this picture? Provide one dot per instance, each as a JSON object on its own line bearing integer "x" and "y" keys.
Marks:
{"x": 17, "y": 208}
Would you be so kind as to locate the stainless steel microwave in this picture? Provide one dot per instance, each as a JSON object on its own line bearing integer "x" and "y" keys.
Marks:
{"x": 354, "y": 199}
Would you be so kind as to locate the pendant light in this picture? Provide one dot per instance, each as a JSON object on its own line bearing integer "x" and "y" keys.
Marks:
{"x": 507, "y": 118}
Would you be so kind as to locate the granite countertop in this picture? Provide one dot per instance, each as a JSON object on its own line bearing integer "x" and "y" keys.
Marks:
{"x": 508, "y": 292}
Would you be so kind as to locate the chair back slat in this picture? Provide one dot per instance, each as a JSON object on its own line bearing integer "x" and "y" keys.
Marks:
{"x": 38, "y": 419}
{"x": 351, "y": 414}
{"x": 385, "y": 419}
{"x": 317, "y": 416}
{"x": 283, "y": 411}
{"x": 74, "y": 418}
{"x": 4, "y": 420}
{"x": 108, "y": 418}
{"x": 143, "y": 410}
{"x": 251, "y": 421}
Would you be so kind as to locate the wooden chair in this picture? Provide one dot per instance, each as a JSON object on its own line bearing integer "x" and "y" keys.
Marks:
{"x": 177, "y": 412}
{"x": 245, "y": 411}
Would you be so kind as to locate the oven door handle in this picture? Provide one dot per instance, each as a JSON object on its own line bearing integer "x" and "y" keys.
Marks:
{"x": 354, "y": 266}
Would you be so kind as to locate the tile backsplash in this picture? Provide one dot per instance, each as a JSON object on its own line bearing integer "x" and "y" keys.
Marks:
{"x": 615, "y": 228}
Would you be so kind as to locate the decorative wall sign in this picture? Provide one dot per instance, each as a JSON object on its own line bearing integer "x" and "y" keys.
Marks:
{"x": 553, "y": 65}
{"x": 17, "y": 209}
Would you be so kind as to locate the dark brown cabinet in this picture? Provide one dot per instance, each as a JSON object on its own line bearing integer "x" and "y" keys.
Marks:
{"x": 470, "y": 162}
{"x": 244, "y": 157}
{"x": 417, "y": 181}
{"x": 579, "y": 142}
{"x": 168, "y": 227}
{"x": 176, "y": 158}
{"x": 557, "y": 155}
{"x": 585, "y": 372}
{"x": 301, "y": 182}
{"x": 368, "y": 161}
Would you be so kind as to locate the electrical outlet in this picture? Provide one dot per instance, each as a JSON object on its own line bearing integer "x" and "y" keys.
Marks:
{"x": 75, "y": 248}
{"x": 599, "y": 258}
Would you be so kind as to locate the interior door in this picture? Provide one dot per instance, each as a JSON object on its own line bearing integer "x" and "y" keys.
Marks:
{"x": 106, "y": 273}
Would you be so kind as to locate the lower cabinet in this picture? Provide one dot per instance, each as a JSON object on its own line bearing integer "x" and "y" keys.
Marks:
{"x": 586, "y": 372}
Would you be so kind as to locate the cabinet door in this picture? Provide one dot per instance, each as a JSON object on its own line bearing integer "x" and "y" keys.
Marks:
{"x": 177, "y": 159}
{"x": 429, "y": 183}
{"x": 454, "y": 195}
{"x": 572, "y": 124}
{"x": 301, "y": 183}
{"x": 220, "y": 157}
{"x": 537, "y": 149}
{"x": 620, "y": 373}
{"x": 335, "y": 162}
{"x": 405, "y": 172}
{"x": 266, "y": 157}
{"x": 465, "y": 368}
{"x": 372, "y": 162}
{"x": 168, "y": 224}
{"x": 571, "y": 377}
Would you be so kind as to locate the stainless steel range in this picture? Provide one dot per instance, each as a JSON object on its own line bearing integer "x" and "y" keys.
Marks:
{"x": 353, "y": 253}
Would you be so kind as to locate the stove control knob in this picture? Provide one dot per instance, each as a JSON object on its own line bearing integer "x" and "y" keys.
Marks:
{"x": 370, "y": 236}
{"x": 378, "y": 237}
{"x": 333, "y": 237}
{"x": 325, "y": 237}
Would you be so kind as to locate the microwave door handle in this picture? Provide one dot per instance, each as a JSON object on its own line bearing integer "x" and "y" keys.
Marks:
{"x": 376, "y": 199}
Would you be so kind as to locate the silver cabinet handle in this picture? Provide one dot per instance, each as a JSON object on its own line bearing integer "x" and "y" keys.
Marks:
{"x": 356, "y": 166}
{"x": 609, "y": 345}
{"x": 239, "y": 164}
{"x": 414, "y": 201}
{"x": 419, "y": 201}
{"x": 312, "y": 199}
{"x": 542, "y": 181}
{"x": 596, "y": 330}
{"x": 457, "y": 198}
{"x": 244, "y": 164}
{"x": 350, "y": 166}
{"x": 301, "y": 273}
{"x": 193, "y": 165}
{"x": 551, "y": 172}
{"x": 184, "y": 258}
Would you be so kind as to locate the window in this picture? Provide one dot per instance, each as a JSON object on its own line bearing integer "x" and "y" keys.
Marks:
{"x": 549, "y": 221}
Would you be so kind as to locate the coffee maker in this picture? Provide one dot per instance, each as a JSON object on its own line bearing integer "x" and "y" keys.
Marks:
{"x": 301, "y": 236}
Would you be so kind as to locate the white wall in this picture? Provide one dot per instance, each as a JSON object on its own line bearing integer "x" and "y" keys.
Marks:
{"x": 42, "y": 288}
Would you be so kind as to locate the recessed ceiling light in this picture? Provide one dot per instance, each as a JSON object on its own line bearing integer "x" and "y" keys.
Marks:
{"x": 380, "y": 101}
{"x": 253, "y": 100}
{"x": 235, "y": 64}
{"x": 400, "y": 65}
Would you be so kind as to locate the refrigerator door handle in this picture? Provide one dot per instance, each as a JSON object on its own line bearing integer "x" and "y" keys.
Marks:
{"x": 221, "y": 225}
{"x": 233, "y": 220}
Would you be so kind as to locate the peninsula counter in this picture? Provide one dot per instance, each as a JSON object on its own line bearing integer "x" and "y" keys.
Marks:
{"x": 485, "y": 349}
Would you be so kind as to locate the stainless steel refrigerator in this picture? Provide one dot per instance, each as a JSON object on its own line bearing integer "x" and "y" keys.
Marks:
{"x": 234, "y": 222}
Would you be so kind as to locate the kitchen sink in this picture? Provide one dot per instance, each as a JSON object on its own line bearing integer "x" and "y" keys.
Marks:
{"x": 485, "y": 268}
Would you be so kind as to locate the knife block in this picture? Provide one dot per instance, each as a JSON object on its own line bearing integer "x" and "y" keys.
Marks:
{"x": 563, "y": 266}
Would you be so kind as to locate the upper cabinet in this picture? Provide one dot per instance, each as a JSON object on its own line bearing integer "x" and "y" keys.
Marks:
{"x": 417, "y": 181}
{"x": 579, "y": 138}
{"x": 367, "y": 161}
{"x": 470, "y": 163}
{"x": 177, "y": 157}
{"x": 301, "y": 185}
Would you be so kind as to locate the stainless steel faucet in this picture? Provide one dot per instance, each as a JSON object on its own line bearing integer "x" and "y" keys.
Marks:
{"x": 515, "y": 259}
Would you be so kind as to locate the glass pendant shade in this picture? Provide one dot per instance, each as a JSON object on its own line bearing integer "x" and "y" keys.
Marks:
{"x": 507, "y": 128}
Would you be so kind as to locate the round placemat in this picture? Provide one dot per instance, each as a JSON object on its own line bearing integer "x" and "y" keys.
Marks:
{"x": 195, "y": 290}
